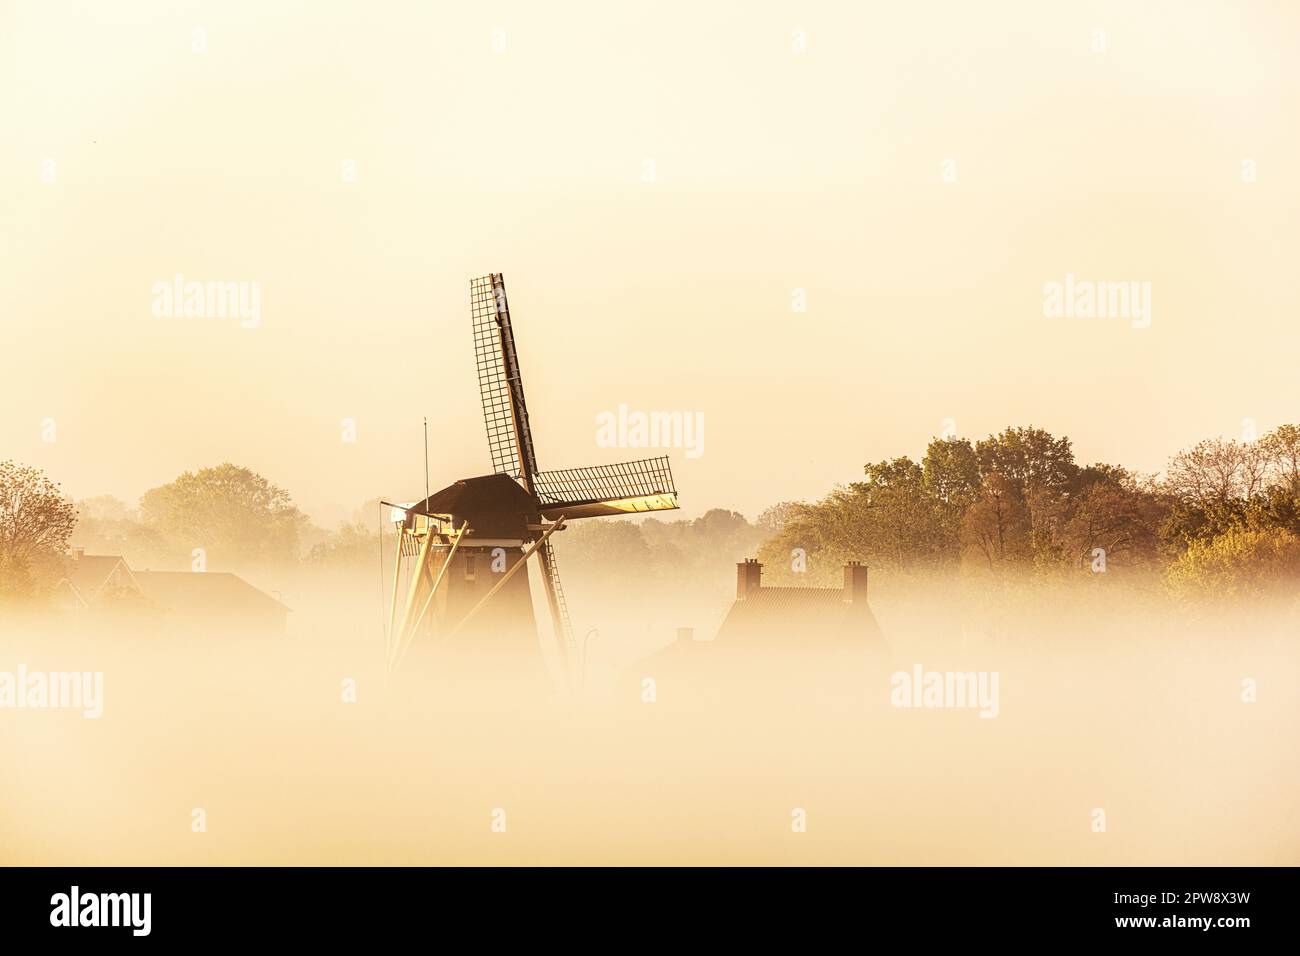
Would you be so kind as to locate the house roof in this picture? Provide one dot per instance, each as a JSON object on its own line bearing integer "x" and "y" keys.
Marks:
{"x": 800, "y": 615}
{"x": 91, "y": 571}
{"x": 204, "y": 591}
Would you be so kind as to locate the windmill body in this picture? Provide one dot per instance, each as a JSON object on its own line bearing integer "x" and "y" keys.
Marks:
{"x": 460, "y": 583}
{"x": 461, "y": 570}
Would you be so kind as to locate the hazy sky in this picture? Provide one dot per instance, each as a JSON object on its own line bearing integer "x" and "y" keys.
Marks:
{"x": 656, "y": 183}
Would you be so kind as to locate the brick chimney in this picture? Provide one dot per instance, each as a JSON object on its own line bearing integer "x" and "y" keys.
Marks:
{"x": 748, "y": 574}
{"x": 855, "y": 583}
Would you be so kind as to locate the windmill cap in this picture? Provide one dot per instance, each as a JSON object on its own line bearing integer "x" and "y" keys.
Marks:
{"x": 494, "y": 505}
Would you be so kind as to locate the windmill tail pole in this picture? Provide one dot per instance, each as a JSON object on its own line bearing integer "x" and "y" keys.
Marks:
{"x": 559, "y": 523}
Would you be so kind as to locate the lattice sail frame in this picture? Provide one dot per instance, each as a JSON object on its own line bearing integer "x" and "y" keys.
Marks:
{"x": 647, "y": 482}
{"x": 501, "y": 387}
{"x": 627, "y": 487}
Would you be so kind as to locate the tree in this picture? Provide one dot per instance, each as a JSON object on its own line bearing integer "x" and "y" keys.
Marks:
{"x": 1239, "y": 563}
{"x": 995, "y": 528}
{"x": 1090, "y": 475}
{"x": 36, "y": 520}
{"x": 771, "y": 520}
{"x": 1215, "y": 472}
{"x": 1219, "y": 485}
{"x": 1282, "y": 447}
{"x": 233, "y": 513}
{"x": 1030, "y": 457}
{"x": 1278, "y": 507}
{"x": 105, "y": 508}
{"x": 901, "y": 525}
{"x": 1117, "y": 514}
{"x": 352, "y": 545}
{"x": 809, "y": 531}
{"x": 613, "y": 548}
{"x": 719, "y": 524}
{"x": 107, "y": 525}
{"x": 890, "y": 520}
{"x": 1041, "y": 468}
{"x": 951, "y": 471}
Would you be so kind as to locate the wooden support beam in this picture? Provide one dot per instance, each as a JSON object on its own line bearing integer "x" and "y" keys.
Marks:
{"x": 559, "y": 523}
{"x": 404, "y": 641}
{"x": 392, "y": 604}
{"x": 415, "y": 579}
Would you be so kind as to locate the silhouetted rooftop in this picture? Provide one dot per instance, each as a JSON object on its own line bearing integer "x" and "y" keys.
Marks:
{"x": 203, "y": 591}
{"x": 89, "y": 573}
{"x": 496, "y": 506}
{"x": 798, "y": 616}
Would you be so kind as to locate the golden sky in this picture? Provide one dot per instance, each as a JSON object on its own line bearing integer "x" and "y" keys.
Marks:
{"x": 920, "y": 171}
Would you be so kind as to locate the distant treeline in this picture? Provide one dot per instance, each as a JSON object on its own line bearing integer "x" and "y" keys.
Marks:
{"x": 1223, "y": 520}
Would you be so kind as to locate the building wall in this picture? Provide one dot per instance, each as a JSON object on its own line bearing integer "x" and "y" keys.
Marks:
{"x": 507, "y": 619}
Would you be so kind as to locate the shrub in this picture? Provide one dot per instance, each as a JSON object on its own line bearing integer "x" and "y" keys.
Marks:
{"x": 1239, "y": 563}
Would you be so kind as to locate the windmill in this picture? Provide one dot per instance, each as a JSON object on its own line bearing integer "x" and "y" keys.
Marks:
{"x": 460, "y": 552}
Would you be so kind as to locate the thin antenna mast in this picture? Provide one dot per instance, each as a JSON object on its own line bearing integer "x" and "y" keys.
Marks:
{"x": 426, "y": 458}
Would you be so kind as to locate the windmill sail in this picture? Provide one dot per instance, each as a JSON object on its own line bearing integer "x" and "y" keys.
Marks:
{"x": 501, "y": 388}
{"x": 629, "y": 487}
{"x": 559, "y": 606}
